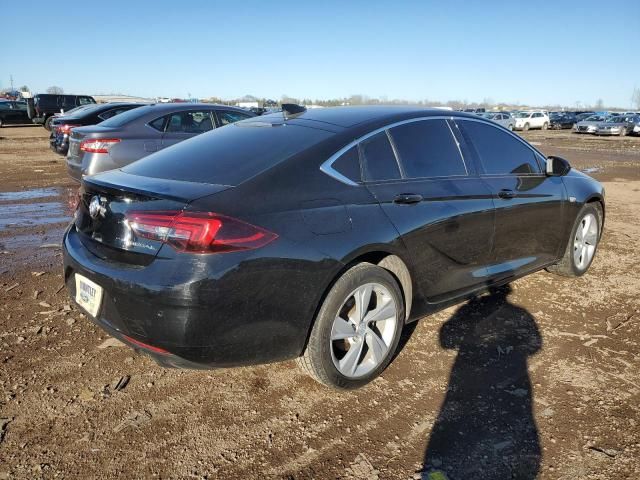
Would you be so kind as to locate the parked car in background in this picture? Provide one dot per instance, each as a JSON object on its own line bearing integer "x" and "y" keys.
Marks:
{"x": 171, "y": 255}
{"x": 636, "y": 125}
{"x": 132, "y": 135}
{"x": 562, "y": 120}
{"x": 584, "y": 115}
{"x": 43, "y": 106}
{"x": 616, "y": 125}
{"x": 531, "y": 119}
{"x": 501, "y": 118}
{"x": 13, "y": 113}
{"x": 589, "y": 124}
{"x": 82, "y": 116}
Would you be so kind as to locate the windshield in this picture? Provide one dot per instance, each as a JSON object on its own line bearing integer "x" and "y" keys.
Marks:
{"x": 126, "y": 117}
{"x": 594, "y": 118}
{"x": 613, "y": 120}
{"x": 522, "y": 115}
{"x": 228, "y": 155}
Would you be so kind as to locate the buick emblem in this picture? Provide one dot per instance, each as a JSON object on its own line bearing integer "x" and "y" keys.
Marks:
{"x": 95, "y": 207}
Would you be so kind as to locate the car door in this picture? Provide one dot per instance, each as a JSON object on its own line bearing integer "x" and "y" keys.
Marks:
{"x": 529, "y": 205}
{"x": 186, "y": 124}
{"x": 441, "y": 209}
{"x": 20, "y": 110}
{"x": 6, "y": 113}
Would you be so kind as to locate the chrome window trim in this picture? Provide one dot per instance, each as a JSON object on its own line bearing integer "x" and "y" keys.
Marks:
{"x": 327, "y": 165}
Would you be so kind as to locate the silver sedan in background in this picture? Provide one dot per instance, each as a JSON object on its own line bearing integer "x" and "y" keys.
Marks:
{"x": 132, "y": 135}
{"x": 502, "y": 118}
{"x": 589, "y": 124}
{"x": 618, "y": 125}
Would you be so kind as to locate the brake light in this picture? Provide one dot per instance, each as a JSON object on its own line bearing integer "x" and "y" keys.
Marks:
{"x": 66, "y": 129}
{"x": 98, "y": 145}
{"x": 199, "y": 232}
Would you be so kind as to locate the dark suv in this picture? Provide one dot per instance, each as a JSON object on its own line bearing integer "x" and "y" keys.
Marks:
{"x": 42, "y": 107}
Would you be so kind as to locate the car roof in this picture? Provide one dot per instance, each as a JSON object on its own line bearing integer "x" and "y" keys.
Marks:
{"x": 172, "y": 106}
{"x": 350, "y": 116}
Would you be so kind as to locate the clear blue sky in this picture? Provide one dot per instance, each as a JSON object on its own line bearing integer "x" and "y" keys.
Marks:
{"x": 536, "y": 52}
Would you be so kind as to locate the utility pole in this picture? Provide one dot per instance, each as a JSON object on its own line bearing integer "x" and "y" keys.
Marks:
{"x": 11, "y": 80}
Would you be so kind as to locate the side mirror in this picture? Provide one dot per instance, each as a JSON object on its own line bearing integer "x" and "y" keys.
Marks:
{"x": 557, "y": 166}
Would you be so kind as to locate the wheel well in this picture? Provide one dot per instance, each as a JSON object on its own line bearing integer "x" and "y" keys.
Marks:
{"x": 395, "y": 266}
{"x": 392, "y": 263}
{"x": 601, "y": 204}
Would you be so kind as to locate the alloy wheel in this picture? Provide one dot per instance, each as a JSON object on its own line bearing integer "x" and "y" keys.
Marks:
{"x": 363, "y": 330}
{"x": 585, "y": 241}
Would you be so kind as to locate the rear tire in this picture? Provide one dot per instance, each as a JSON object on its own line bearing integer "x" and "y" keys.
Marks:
{"x": 545, "y": 125}
{"x": 1, "y": 124}
{"x": 623, "y": 132}
{"x": 583, "y": 243}
{"x": 357, "y": 330}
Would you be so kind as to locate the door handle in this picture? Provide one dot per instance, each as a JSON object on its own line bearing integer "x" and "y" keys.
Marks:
{"x": 408, "y": 198}
{"x": 506, "y": 194}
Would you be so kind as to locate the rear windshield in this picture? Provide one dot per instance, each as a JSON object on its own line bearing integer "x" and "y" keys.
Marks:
{"x": 125, "y": 117}
{"x": 228, "y": 155}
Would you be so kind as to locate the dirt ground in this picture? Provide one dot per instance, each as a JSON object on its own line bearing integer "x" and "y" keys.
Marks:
{"x": 539, "y": 380}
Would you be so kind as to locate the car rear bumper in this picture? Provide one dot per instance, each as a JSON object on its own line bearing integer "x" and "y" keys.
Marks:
{"x": 203, "y": 316}
{"x": 61, "y": 147}
{"x": 75, "y": 171}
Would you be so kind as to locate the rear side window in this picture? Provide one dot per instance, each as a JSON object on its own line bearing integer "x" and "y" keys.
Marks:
{"x": 427, "y": 149}
{"x": 226, "y": 117}
{"x": 379, "y": 160}
{"x": 190, "y": 122}
{"x": 158, "y": 124}
{"x": 228, "y": 156}
{"x": 348, "y": 164}
{"x": 500, "y": 153}
{"x": 85, "y": 100}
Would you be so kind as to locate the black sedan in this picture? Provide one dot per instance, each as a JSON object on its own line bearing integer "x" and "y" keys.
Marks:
{"x": 82, "y": 116}
{"x": 562, "y": 120}
{"x": 13, "y": 113}
{"x": 319, "y": 234}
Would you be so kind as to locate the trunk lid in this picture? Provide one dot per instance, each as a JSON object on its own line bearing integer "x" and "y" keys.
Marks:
{"x": 106, "y": 199}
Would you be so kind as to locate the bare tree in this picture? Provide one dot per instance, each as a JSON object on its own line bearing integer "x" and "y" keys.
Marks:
{"x": 635, "y": 98}
{"x": 24, "y": 88}
{"x": 599, "y": 104}
{"x": 55, "y": 90}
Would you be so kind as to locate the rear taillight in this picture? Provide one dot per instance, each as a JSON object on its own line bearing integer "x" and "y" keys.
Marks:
{"x": 66, "y": 129}
{"x": 199, "y": 232}
{"x": 98, "y": 145}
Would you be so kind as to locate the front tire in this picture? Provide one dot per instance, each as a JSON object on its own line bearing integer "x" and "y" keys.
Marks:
{"x": 526, "y": 127}
{"x": 357, "y": 330}
{"x": 583, "y": 243}
{"x": 47, "y": 123}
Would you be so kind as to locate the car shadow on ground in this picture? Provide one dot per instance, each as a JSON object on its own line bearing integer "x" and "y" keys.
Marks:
{"x": 485, "y": 427}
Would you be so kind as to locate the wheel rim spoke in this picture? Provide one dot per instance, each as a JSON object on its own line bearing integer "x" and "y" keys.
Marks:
{"x": 383, "y": 313}
{"x": 362, "y": 297}
{"x": 349, "y": 362}
{"x": 376, "y": 345}
{"x": 341, "y": 329}
{"x": 585, "y": 226}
